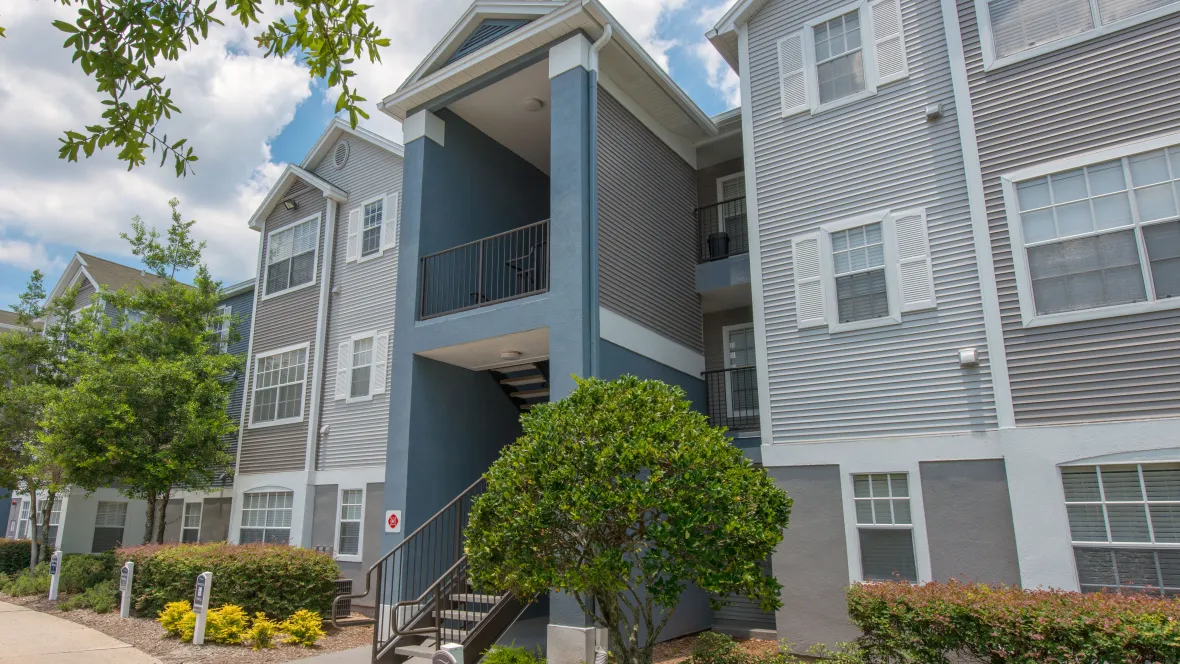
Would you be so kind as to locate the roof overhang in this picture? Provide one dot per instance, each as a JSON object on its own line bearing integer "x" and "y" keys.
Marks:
{"x": 337, "y": 128}
{"x": 275, "y": 195}
{"x": 76, "y": 267}
{"x": 238, "y": 288}
{"x": 724, "y": 35}
{"x": 426, "y": 86}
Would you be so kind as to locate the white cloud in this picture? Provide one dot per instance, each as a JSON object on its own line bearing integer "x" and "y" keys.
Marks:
{"x": 28, "y": 256}
{"x": 641, "y": 18}
{"x": 718, "y": 74}
{"x": 233, "y": 102}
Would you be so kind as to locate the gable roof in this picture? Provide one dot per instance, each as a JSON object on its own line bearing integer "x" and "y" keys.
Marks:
{"x": 105, "y": 275}
{"x": 337, "y": 128}
{"x": 279, "y": 189}
{"x": 724, "y": 35}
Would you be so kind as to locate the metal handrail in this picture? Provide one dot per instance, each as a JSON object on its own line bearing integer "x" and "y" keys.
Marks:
{"x": 485, "y": 239}
{"x": 731, "y": 397}
{"x": 712, "y": 219}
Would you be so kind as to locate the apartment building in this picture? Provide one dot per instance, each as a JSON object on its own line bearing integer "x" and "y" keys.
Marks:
{"x": 91, "y": 522}
{"x": 311, "y": 455}
{"x": 964, "y": 253}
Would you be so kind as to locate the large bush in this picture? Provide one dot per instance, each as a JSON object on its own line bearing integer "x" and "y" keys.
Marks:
{"x": 273, "y": 579}
{"x": 14, "y": 555}
{"x": 938, "y": 623}
{"x": 82, "y": 571}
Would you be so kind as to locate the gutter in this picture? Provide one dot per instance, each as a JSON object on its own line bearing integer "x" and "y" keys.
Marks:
{"x": 592, "y": 170}
{"x": 321, "y": 333}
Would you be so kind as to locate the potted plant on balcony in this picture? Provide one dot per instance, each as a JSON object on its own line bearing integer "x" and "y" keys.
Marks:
{"x": 718, "y": 244}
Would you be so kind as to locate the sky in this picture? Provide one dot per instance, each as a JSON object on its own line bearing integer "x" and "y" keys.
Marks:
{"x": 245, "y": 116}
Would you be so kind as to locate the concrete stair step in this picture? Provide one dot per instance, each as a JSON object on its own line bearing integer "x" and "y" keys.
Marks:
{"x": 531, "y": 394}
{"x": 459, "y": 614}
{"x": 526, "y": 380}
{"x": 517, "y": 368}
{"x": 475, "y": 598}
{"x": 415, "y": 651}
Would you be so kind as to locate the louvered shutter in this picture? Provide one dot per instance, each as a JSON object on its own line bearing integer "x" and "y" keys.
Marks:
{"x": 392, "y": 224}
{"x": 791, "y": 77}
{"x": 343, "y": 362}
{"x": 888, "y": 41}
{"x": 353, "y": 245}
{"x": 380, "y": 363}
{"x": 915, "y": 273}
{"x": 809, "y": 287}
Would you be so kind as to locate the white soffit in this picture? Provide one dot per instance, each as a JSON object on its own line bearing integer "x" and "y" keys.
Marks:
{"x": 499, "y": 111}
{"x": 485, "y": 354}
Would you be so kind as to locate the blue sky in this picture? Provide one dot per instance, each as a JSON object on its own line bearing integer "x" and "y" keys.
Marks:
{"x": 84, "y": 206}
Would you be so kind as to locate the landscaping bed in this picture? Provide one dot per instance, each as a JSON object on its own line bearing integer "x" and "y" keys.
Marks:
{"x": 148, "y": 636}
{"x": 679, "y": 650}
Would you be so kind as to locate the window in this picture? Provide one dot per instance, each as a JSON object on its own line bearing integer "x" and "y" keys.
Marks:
{"x": 278, "y": 387}
{"x": 1099, "y": 239}
{"x": 863, "y": 272}
{"x": 1014, "y": 30}
{"x": 221, "y": 327}
{"x": 266, "y": 517}
{"x": 361, "y": 366}
{"x": 885, "y": 527}
{"x": 1124, "y": 521}
{"x": 348, "y": 541}
{"x": 191, "y": 524}
{"x": 54, "y": 521}
{"x": 291, "y": 256}
{"x": 22, "y": 524}
{"x": 109, "y": 521}
{"x": 373, "y": 228}
{"x": 841, "y": 57}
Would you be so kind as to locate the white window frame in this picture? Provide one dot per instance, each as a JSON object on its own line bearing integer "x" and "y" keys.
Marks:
{"x": 254, "y": 385}
{"x": 1008, "y": 182}
{"x": 722, "y": 220}
{"x": 868, "y": 57}
{"x": 268, "y": 490}
{"x": 376, "y": 387}
{"x": 372, "y": 362}
{"x": 315, "y": 262}
{"x": 987, "y": 40}
{"x": 361, "y": 257}
{"x": 184, "y": 515}
{"x": 728, "y": 364}
{"x": 392, "y": 203}
{"x": 122, "y": 513}
{"x": 24, "y": 520}
{"x": 828, "y": 271}
{"x": 56, "y": 511}
{"x": 226, "y": 324}
{"x": 917, "y": 516}
{"x": 360, "y": 546}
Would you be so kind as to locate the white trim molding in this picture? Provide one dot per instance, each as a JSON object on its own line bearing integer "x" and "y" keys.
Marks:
{"x": 338, "y": 519}
{"x": 569, "y": 54}
{"x": 623, "y": 331}
{"x": 424, "y": 124}
{"x": 307, "y": 361}
{"x": 917, "y": 526}
{"x": 315, "y": 265}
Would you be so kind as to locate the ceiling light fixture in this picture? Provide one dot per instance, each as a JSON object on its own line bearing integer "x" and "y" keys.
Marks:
{"x": 533, "y": 105}
{"x": 510, "y": 355}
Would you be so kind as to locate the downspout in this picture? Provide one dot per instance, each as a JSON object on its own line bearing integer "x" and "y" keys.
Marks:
{"x": 321, "y": 333}
{"x": 592, "y": 168}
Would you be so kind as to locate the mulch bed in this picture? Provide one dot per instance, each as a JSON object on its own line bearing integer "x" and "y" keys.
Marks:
{"x": 678, "y": 650}
{"x": 148, "y": 636}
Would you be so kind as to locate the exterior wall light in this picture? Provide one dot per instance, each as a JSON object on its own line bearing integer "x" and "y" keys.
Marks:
{"x": 290, "y": 204}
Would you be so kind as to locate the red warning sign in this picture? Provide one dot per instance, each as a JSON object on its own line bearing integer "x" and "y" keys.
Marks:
{"x": 393, "y": 521}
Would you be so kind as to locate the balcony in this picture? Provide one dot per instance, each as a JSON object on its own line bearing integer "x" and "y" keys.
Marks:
{"x": 499, "y": 268}
{"x": 731, "y": 398}
{"x": 722, "y": 230}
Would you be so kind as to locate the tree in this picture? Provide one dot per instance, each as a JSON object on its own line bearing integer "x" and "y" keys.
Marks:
{"x": 121, "y": 44}
{"x": 33, "y": 369}
{"x": 620, "y": 495}
{"x": 148, "y": 413}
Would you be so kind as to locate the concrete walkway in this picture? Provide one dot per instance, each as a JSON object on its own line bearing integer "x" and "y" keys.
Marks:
{"x": 32, "y": 637}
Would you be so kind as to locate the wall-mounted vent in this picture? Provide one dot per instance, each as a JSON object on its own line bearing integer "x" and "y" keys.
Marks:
{"x": 340, "y": 154}
{"x": 487, "y": 32}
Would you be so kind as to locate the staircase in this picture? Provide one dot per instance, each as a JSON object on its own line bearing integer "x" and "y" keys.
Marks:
{"x": 424, "y": 596}
{"x": 525, "y": 384}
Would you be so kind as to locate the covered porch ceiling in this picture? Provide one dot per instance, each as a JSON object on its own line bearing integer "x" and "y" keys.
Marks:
{"x": 514, "y": 112}
{"x": 496, "y": 352}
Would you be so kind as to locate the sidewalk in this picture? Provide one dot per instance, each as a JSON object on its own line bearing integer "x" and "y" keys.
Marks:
{"x": 32, "y": 637}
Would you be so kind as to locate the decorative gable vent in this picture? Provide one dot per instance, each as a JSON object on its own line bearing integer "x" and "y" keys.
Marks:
{"x": 487, "y": 32}
{"x": 340, "y": 154}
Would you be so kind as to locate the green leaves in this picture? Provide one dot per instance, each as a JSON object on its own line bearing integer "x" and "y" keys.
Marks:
{"x": 120, "y": 43}
{"x": 621, "y": 494}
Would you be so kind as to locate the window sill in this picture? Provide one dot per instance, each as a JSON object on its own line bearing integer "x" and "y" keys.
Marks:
{"x": 348, "y": 559}
{"x": 843, "y": 101}
{"x": 275, "y": 423}
{"x": 371, "y": 257}
{"x": 358, "y": 399}
{"x": 267, "y": 296}
{"x": 1085, "y": 315}
{"x": 869, "y": 324}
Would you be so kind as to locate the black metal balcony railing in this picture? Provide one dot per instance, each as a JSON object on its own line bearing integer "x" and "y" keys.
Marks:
{"x": 722, "y": 229}
{"x": 732, "y": 398}
{"x": 495, "y": 269}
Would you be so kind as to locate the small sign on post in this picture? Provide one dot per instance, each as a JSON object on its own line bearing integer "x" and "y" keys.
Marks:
{"x": 125, "y": 577}
{"x": 54, "y": 574}
{"x": 393, "y": 521}
{"x": 201, "y": 605}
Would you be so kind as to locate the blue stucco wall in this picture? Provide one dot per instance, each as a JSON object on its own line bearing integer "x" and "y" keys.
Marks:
{"x": 5, "y": 506}
{"x": 617, "y": 361}
{"x": 479, "y": 188}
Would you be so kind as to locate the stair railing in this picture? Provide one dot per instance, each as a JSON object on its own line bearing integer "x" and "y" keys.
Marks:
{"x": 405, "y": 575}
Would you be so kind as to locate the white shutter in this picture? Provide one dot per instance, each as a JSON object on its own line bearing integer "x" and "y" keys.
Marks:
{"x": 392, "y": 223}
{"x": 915, "y": 272}
{"x": 380, "y": 363}
{"x": 343, "y": 363}
{"x": 791, "y": 79}
{"x": 809, "y": 285}
{"x": 888, "y": 41}
{"x": 353, "y": 246}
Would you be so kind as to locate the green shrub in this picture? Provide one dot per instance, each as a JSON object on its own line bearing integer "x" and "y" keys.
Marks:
{"x": 100, "y": 598}
{"x": 941, "y": 622}
{"x": 274, "y": 579}
{"x": 261, "y": 634}
{"x": 81, "y": 571}
{"x": 303, "y": 628}
{"x": 227, "y": 624}
{"x": 178, "y": 619}
{"x": 716, "y": 648}
{"x": 512, "y": 655}
{"x": 29, "y": 583}
{"x": 14, "y": 555}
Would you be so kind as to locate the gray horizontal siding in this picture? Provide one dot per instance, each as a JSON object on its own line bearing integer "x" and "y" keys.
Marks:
{"x": 364, "y": 303}
{"x": 1117, "y": 89}
{"x": 876, "y": 153}
{"x": 241, "y": 308}
{"x": 85, "y": 291}
{"x": 284, "y": 320}
{"x": 707, "y": 180}
{"x": 647, "y": 229}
